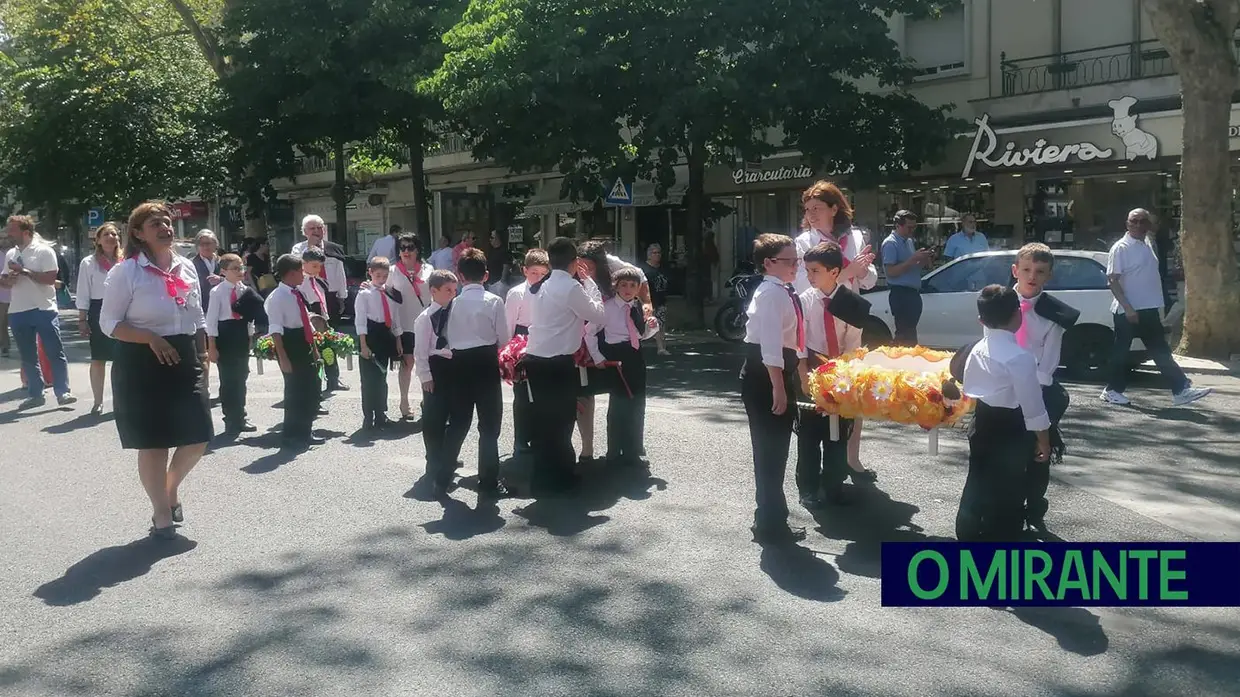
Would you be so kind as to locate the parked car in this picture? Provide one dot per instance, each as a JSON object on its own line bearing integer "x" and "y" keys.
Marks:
{"x": 949, "y": 307}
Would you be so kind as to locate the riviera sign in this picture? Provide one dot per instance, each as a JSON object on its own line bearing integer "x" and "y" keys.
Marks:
{"x": 1039, "y": 154}
{"x": 740, "y": 176}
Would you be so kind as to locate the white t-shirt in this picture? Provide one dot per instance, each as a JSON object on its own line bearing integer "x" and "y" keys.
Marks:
{"x": 1136, "y": 265}
{"x": 39, "y": 257}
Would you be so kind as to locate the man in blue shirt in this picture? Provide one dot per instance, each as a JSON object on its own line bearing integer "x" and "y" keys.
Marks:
{"x": 967, "y": 241}
{"x": 903, "y": 266}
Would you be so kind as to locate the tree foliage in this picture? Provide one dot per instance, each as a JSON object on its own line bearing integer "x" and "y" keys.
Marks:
{"x": 602, "y": 88}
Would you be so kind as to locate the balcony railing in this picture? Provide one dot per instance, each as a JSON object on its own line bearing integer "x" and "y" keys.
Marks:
{"x": 446, "y": 144}
{"x": 1094, "y": 66}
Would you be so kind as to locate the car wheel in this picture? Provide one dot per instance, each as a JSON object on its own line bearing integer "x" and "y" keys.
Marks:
{"x": 875, "y": 333}
{"x": 1087, "y": 352}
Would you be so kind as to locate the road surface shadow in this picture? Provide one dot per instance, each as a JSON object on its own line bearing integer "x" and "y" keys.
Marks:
{"x": 872, "y": 519}
{"x": 1077, "y": 630}
{"x": 87, "y": 420}
{"x": 801, "y": 572}
{"x": 109, "y": 567}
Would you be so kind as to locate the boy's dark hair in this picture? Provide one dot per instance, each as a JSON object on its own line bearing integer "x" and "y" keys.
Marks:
{"x": 768, "y": 246}
{"x": 407, "y": 239}
{"x": 472, "y": 265}
{"x": 626, "y": 273}
{"x": 313, "y": 254}
{"x": 1036, "y": 252}
{"x": 440, "y": 278}
{"x": 828, "y": 254}
{"x": 997, "y": 305}
{"x": 561, "y": 253}
{"x": 286, "y": 264}
{"x": 229, "y": 260}
{"x": 379, "y": 264}
{"x": 536, "y": 257}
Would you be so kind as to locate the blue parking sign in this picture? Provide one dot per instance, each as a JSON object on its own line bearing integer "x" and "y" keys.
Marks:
{"x": 94, "y": 217}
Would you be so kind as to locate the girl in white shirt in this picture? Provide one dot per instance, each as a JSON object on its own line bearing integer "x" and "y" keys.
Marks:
{"x": 152, "y": 305}
{"x": 91, "y": 276}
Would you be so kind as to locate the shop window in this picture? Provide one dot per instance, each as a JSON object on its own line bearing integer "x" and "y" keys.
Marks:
{"x": 937, "y": 46}
{"x": 971, "y": 275}
{"x": 1077, "y": 273}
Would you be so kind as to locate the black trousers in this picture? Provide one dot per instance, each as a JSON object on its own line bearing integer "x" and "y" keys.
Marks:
{"x": 625, "y": 413}
{"x": 992, "y": 503}
{"x": 822, "y": 464}
{"x": 1149, "y": 330}
{"x": 233, "y": 346}
{"x": 906, "y": 313}
{"x": 770, "y": 436}
{"x": 435, "y": 407}
{"x": 1038, "y": 474}
{"x": 554, "y": 383}
{"x": 301, "y": 387}
{"x": 476, "y": 387}
{"x": 382, "y": 345}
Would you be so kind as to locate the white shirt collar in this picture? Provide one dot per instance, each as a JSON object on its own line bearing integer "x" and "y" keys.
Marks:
{"x": 471, "y": 287}
{"x": 774, "y": 280}
{"x": 143, "y": 260}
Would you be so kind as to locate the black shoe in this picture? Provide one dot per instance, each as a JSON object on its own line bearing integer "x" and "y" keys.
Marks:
{"x": 315, "y": 440}
{"x": 178, "y": 514}
{"x": 838, "y": 496}
{"x": 168, "y": 533}
{"x": 239, "y": 427}
{"x": 382, "y": 421}
{"x": 865, "y": 476}
{"x": 778, "y": 536}
{"x": 812, "y": 502}
{"x": 337, "y": 386}
{"x": 1035, "y": 521}
{"x": 441, "y": 490}
{"x": 493, "y": 491}
{"x": 368, "y": 423}
{"x": 321, "y": 412}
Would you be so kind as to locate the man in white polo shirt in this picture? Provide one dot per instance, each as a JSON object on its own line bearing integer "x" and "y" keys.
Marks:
{"x": 30, "y": 270}
{"x": 1132, "y": 272}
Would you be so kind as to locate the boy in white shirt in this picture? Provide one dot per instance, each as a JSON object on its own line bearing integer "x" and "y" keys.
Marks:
{"x": 228, "y": 342}
{"x": 433, "y": 363}
{"x": 316, "y": 289}
{"x": 378, "y": 332}
{"x": 620, "y": 334}
{"x": 517, "y": 308}
{"x": 288, "y": 320}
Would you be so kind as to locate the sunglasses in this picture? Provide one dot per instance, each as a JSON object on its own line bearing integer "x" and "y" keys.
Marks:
{"x": 408, "y": 248}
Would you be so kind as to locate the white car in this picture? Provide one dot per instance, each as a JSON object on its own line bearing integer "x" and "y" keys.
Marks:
{"x": 949, "y": 306}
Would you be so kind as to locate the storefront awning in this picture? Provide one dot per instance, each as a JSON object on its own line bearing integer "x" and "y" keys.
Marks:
{"x": 644, "y": 194}
{"x": 548, "y": 202}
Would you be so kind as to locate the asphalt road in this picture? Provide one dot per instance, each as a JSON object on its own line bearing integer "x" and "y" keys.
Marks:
{"x": 326, "y": 575}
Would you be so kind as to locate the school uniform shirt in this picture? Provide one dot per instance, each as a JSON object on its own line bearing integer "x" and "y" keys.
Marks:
{"x": 1002, "y": 374}
{"x": 558, "y": 312}
{"x": 136, "y": 293}
{"x": 813, "y": 304}
{"x": 411, "y": 303}
{"x": 220, "y": 309}
{"x": 772, "y": 322}
{"x": 614, "y": 329}
{"x": 1135, "y": 263}
{"x": 283, "y": 311}
{"x": 424, "y": 342}
{"x": 477, "y": 319}
{"x": 369, "y": 308}
{"x": 312, "y": 290}
{"x": 1044, "y": 339}
{"x": 517, "y": 307}
{"x": 851, "y": 245}
{"x": 91, "y": 276}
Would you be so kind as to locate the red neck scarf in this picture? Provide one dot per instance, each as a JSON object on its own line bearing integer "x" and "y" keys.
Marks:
{"x": 105, "y": 264}
{"x": 175, "y": 285}
{"x": 415, "y": 277}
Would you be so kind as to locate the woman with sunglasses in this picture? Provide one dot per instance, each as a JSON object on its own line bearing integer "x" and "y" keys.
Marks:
{"x": 408, "y": 280}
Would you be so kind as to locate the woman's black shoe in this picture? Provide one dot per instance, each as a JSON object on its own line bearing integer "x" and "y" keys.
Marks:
{"x": 865, "y": 476}
{"x": 178, "y": 514}
{"x": 778, "y": 536}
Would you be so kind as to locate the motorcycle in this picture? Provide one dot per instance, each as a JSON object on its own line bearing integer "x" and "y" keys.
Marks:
{"x": 731, "y": 318}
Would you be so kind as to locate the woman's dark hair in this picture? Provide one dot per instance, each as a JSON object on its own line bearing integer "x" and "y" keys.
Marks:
{"x": 595, "y": 252}
{"x": 562, "y": 252}
{"x": 831, "y": 195}
{"x": 409, "y": 239}
{"x": 286, "y": 264}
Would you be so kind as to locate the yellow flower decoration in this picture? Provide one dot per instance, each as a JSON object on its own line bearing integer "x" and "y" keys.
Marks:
{"x": 851, "y": 388}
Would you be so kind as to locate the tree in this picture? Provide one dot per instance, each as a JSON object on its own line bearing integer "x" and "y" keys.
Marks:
{"x": 600, "y": 89}
{"x": 1199, "y": 36}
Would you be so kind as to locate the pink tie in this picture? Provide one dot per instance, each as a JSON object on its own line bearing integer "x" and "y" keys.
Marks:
{"x": 1022, "y": 334}
{"x": 635, "y": 339}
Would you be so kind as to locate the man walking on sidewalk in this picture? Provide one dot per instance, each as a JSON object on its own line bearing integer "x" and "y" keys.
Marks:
{"x": 30, "y": 270}
{"x": 1132, "y": 273}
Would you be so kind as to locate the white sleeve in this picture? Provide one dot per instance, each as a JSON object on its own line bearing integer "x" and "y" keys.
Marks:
{"x": 512, "y": 308}
{"x": 117, "y": 294}
{"x": 337, "y": 280}
{"x": 1052, "y": 348}
{"x": 361, "y": 319}
{"x": 213, "y": 311}
{"x": 584, "y": 306}
{"x": 770, "y": 308}
{"x": 422, "y": 335}
{"x": 84, "y": 283}
{"x": 808, "y": 301}
{"x": 275, "y": 313}
{"x": 1024, "y": 371}
{"x": 591, "y": 339}
{"x": 502, "y": 328}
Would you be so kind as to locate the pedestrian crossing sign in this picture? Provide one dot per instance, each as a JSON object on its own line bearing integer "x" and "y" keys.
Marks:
{"x": 621, "y": 194}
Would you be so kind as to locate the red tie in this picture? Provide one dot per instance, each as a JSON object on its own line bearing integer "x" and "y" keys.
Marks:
{"x": 828, "y": 323}
{"x": 306, "y": 329}
{"x": 796, "y": 305}
{"x": 387, "y": 310}
{"x": 232, "y": 302}
{"x": 318, "y": 293}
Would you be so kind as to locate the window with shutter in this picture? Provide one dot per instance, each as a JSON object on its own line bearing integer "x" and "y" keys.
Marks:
{"x": 937, "y": 46}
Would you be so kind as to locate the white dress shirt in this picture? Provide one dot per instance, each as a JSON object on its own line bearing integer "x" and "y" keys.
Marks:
{"x": 558, "y": 313}
{"x": 90, "y": 282}
{"x": 1045, "y": 340}
{"x": 1002, "y": 374}
{"x": 477, "y": 319}
{"x": 614, "y": 329}
{"x": 850, "y": 244}
{"x": 333, "y": 270}
{"x": 283, "y": 310}
{"x": 411, "y": 304}
{"x": 135, "y": 293}
{"x": 369, "y": 308}
{"x": 1136, "y": 265}
{"x": 38, "y": 257}
{"x": 813, "y": 302}
{"x": 220, "y": 308}
{"x": 384, "y": 247}
{"x": 517, "y": 307}
{"x": 772, "y": 321}
{"x": 313, "y": 292}
{"x": 424, "y": 343}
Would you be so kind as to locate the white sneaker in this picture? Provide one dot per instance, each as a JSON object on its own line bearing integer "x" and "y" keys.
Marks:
{"x": 1189, "y": 394}
{"x": 1113, "y": 397}
{"x": 66, "y": 399}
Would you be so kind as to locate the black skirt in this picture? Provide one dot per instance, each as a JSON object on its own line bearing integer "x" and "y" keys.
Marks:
{"x": 406, "y": 343}
{"x": 102, "y": 346}
{"x": 159, "y": 406}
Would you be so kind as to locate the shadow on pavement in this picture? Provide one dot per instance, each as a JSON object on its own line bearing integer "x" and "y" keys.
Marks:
{"x": 1077, "y": 630}
{"x": 801, "y": 572}
{"x": 110, "y": 566}
{"x": 871, "y": 520}
{"x": 80, "y": 421}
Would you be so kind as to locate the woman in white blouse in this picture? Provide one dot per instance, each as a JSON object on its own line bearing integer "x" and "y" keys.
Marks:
{"x": 91, "y": 275}
{"x": 152, "y": 305}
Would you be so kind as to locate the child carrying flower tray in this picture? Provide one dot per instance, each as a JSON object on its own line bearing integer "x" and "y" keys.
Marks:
{"x": 330, "y": 344}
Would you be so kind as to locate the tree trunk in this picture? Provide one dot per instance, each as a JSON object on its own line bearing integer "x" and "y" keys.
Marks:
{"x": 340, "y": 195}
{"x": 415, "y": 140}
{"x": 1198, "y": 36}
{"x": 696, "y": 278}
